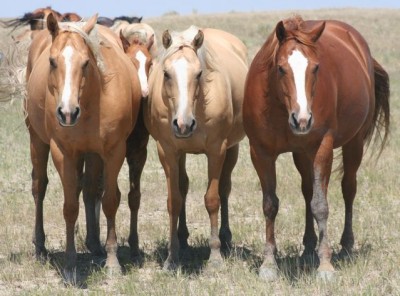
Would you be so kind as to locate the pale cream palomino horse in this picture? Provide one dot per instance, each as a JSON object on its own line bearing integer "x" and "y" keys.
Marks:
{"x": 195, "y": 106}
{"x": 83, "y": 97}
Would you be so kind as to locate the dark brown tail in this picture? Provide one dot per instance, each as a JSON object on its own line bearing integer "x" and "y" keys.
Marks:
{"x": 381, "y": 120}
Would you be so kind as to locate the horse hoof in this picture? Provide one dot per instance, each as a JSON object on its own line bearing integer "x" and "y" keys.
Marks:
{"x": 113, "y": 271}
{"x": 96, "y": 250}
{"x": 183, "y": 244}
{"x": 215, "y": 261}
{"x": 268, "y": 274}
{"x": 345, "y": 254}
{"x": 137, "y": 260}
{"x": 170, "y": 266}
{"x": 326, "y": 272}
{"x": 41, "y": 255}
{"x": 326, "y": 276}
{"x": 69, "y": 276}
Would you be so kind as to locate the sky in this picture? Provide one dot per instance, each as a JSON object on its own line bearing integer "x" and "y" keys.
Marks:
{"x": 154, "y": 8}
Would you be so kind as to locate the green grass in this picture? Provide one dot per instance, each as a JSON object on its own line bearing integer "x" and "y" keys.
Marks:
{"x": 374, "y": 270}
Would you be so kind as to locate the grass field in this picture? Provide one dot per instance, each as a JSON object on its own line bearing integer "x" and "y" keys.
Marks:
{"x": 373, "y": 270}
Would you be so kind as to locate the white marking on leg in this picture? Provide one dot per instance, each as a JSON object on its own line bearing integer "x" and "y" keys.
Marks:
{"x": 298, "y": 62}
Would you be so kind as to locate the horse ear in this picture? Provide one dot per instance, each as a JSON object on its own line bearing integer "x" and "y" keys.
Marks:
{"x": 198, "y": 40}
{"x": 88, "y": 27}
{"x": 166, "y": 39}
{"x": 317, "y": 32}
{"x": 125, "y": 42}
{"x": 150, "y": 42}
{"x": 280, "y": 31}
{"x": 52, "y": 25}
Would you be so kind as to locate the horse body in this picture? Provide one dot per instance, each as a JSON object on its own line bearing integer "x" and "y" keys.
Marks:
{"x": 312, "y": 87}
{"x": 83, "y": 100}
{"x": 194, "y": 106}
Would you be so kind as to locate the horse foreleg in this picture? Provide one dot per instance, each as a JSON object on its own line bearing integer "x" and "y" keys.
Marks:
{"x": 266, "y": 171}
{"x": 304, "y": 166}
{"x": 352, "y": 155}
{"x": 110, "y": 203}
{"x": 170, "y": 163}
{"x": 225, "y": 186}
{"x": 212, "y": 202}
{"x": 319, "y": 204}
{"x": 183, "y": 232}
{"x": 92, "y": 193}
{"x": 68, "y": 169}
{"x": 39, "y": 157}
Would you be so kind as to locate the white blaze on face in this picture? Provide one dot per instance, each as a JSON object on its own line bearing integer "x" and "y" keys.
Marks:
{"x": 67, "y": 91}
{"x": 298, "y": 62}
{"x": 142, "y": 73}
{"x": 181, "y": 69}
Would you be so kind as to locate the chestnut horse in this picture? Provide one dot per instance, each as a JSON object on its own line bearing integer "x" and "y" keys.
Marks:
{"x": 311, "y": 88}
{"x": 195, "y": 106}
{"x": 83, "y": 97}
{"x": 36, "y": 21}
{"x": 142, "y": 32}
{"x": 138, "y": 51}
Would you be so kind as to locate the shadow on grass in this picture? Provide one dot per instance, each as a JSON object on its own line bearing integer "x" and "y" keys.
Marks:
{"x": 193, "y": 259}
{"x": 293, "y": 266}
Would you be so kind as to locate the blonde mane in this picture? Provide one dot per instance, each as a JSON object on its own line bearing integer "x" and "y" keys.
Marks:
{"x": 184, "y": 39}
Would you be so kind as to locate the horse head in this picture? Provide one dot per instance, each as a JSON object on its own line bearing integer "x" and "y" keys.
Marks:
{"x": 182, "y": 76}
{"x": 69, "y": 66}
{"x": 138, "y": 50}
{"x": 297, "y": 70}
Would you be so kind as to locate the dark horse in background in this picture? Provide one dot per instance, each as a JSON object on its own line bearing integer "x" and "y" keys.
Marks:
{"x": 311, "y": 88}
{"x": 109, "y": 22}
{"x": 35, "y": 19}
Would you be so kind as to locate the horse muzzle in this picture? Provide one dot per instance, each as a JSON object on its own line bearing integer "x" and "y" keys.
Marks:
{"x": 183, "y": 129}
{"x": 68, "y": 118}
{"x": 301, "y": 125}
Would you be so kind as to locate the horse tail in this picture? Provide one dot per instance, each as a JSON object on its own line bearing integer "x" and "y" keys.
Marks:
{"x": 381, "y": 118}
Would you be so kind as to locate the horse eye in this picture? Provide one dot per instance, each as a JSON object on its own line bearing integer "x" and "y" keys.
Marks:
{"x": 166, "y": 75}
{"x": 316, "y": 68}
{"x": 199, "y": 75}
{"x": 53, "y": 63}
{"x": 281, "y": 70}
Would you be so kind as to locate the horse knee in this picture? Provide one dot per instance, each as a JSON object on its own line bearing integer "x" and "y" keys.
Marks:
{"x": 270, "y": 206}
{"x": 212, "y": 203}
{"x": 319, "y": 208}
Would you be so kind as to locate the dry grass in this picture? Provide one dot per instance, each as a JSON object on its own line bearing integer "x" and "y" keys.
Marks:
{"x": 374, "y": 270}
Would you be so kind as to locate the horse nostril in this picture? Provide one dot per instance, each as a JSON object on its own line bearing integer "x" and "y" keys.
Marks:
{"x": 294, "y": 120}
{"x": 175, "y": 123}
{"x": 76, "y": 113}
{"x": 60, "y": 114}
{"x": 193, "y": 125}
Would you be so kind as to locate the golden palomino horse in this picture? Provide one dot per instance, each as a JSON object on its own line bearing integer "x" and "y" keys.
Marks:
{"x": 83, "y": 97}
{"x": 195, "y": 106}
